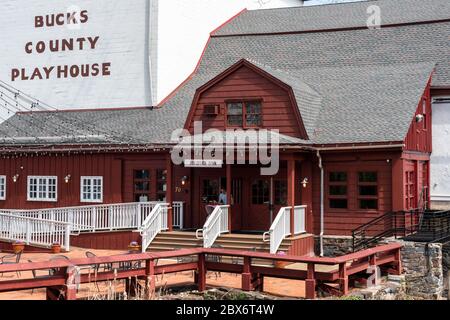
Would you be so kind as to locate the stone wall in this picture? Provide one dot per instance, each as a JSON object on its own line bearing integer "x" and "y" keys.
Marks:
{"x": 334, "y": 246}
{"x": 446, "y": 266}
{"x": 425, "y": 266}
{"x": 422, "y": 265}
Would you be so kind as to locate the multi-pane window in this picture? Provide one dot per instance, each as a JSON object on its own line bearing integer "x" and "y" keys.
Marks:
{"x": 410, "y": 190}
{"x": 280, "y": 192}
{"x": 91, "y": 189}
{"x": 141, "y": 185}
{"x": 368, "y": 190}
{"x": 235, "y": 112}
{"x": 161, "y": 184}
{"x": 248, "y": 114}
{"x": 253, "y": 114}
{"x": 337, "y": 190}
{"x": 2, "y": 187}
{"x": 260, "y": 192}
{"x": 42, "y": 188}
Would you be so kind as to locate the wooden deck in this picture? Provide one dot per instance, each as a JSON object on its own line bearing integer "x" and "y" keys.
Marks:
{"x": 331, "y": 273}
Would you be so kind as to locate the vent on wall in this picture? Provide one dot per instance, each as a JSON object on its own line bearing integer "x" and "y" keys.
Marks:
{"x": 211, "y": 110}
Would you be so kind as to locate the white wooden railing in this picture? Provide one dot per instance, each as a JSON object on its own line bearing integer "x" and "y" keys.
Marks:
{"x": 281, "y": 226}
{"x": 34, "y": 231}
{"x": 155, "y": 222}
{"x": 95, "y": 218}
{"x": 178, "y": 214}
{"x": 299, "y": 219}
{"x": 215, "y": 225}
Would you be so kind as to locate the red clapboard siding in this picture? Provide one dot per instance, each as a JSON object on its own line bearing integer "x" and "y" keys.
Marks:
{"x": 118, "y": 240}
{"x": 116, "y": 170}
{"x": 245, "y": 83}
{"x": 419, "y": 133}
{"x": 302, "y": 246}
{"x": 343, "y": 221}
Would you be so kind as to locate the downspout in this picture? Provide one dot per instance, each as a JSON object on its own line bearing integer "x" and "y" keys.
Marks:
{"x": 321, "y": 202}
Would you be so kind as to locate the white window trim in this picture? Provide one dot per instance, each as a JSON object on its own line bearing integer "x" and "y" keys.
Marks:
{"x": 4, "y": 186}
{"x": 81, "y": 189}
{"x": 42, "y": 199}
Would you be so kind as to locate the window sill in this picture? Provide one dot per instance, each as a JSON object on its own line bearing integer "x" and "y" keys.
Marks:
{"x": 91, "y": 201}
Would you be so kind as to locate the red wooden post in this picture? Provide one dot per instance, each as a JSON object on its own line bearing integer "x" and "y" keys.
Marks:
{"x": 291, "y": 189}
{"x": 229, "y": 196}
{"x": 70, "y": 289}
{"x": 260, "y": 282}
{"x": 201, "y": 273}
{"x": 310, "y": 282}
{"x": 150, "y": 281}
{"x": 246, "y": 275}
{"x": 398, "y": 195}
{"x": 169, "y": 191}
{"x": 306, "y": 194}
{"x": 373, "y": 260}
{"x": 343, "y": 278}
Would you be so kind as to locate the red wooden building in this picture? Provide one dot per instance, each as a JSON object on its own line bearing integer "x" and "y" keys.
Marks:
{"x": 352, "y": 106}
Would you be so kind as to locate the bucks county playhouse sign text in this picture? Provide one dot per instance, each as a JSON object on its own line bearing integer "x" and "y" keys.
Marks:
{"x": 70, "y": 20}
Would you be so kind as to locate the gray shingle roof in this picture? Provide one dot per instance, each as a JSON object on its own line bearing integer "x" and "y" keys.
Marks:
{"x": 344, "y": 15}
{"x": 309, "y": 101}
{"x": 369, "y": 80}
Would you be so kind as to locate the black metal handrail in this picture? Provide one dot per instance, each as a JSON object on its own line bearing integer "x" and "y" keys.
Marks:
{"x": 422, "y": 225}
{"x": 390, "y": 224}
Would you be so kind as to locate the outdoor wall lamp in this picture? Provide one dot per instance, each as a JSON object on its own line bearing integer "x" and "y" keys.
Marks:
{"x": 184, "y": 180}
{"x": 67, "y": 178}
{"x": 15, "y": 177}
{"x": 305, "y": 182}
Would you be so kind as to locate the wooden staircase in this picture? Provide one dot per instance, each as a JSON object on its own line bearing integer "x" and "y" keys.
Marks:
{"x": 166, "y": 241}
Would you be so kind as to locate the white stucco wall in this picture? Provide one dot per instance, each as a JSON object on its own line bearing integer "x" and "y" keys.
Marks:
{"x": 123, "y": 41}
{"x": 151, "y": 51}
{"x": 440, "y": 158}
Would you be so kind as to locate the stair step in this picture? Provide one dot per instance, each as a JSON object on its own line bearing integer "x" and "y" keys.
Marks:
{"x": 167, "y": 241}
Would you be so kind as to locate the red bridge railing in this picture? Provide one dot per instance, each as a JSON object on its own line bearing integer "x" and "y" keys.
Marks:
{"x": 63, "y": 283}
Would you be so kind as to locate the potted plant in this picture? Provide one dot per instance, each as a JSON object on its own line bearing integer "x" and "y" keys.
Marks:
{"x": 281, "y": 264}
{"x": 56, "y": 247}
{"x": 134, "y": 247}
{"x": 18, "y": 246}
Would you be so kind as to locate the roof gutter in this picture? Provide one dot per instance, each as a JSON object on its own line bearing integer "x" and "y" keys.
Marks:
{"x": 321, "y": 202}
{"x": 337, "y": 148}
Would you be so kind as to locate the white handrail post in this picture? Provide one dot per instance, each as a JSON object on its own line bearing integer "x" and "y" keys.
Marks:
{"x": 70, "y": 218}
{"x": 181, "y": 215}
{"x": 28, "y": 231}
{"x": 93, "y": 218}
{"x": 67, "y": 237}
{"x": 139, "y": 214}
{"x": 110, "y": 218}
{"x": 52, "y": 218}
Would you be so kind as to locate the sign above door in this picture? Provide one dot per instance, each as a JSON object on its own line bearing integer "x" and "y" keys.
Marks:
{"x": 200, "y": 163}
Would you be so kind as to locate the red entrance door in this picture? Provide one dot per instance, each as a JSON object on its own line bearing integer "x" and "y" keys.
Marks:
{"x": 257, "y": 217}
{"x": 209, "y": 196}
